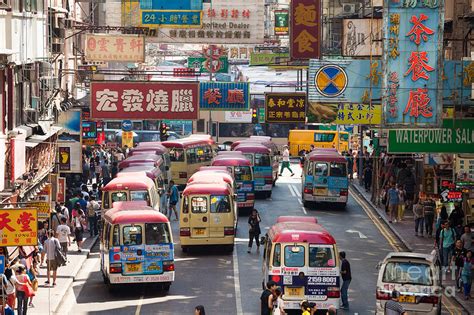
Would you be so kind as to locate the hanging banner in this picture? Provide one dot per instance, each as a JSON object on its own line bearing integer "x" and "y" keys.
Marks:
{"x": 224, "y": 96}
{"x": 119, "y": 100}
{"x": 305, "y": 30}
{"x": 61, "y": 190}
{"x": 285, "y": 107}
{"x": 18, "y": 227}
{"x": 118, "y": 48}
{"x": 413, "y": 61}
{"x": 362, "y": 37}
{"x": 64, "y": 158}
{"x": 203, "y": 66}
{"x": 70, "y": 141}
{"x": 281, "y": 22}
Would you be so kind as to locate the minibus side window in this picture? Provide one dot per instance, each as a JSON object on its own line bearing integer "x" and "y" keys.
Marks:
{"x": 198, "y": 205}
{"x": 321, "y": 256}
{"x": 157, "y": 233}
{"x": 294, "y": 255}
{"x": 176, "y": 155}
{"x": 191, "y": 156}
{"x": 106, "y": 236}
{"x": 220, "y": 204}
{"x": 115, "y": 236}
{"x": 106, "y": 200}
{"x": 277, "y": 256}
{"x": 250, "y": 157}
{"x": 309, "y": 170}
{"x": 132, "y": 235}
{"x": 262, "y": 159}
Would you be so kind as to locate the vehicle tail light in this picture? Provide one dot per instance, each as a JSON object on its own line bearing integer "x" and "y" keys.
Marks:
{"x": 184, "y": 232}
{"x": 432, "y": 299}
{"x": 308, "y": 190}
{"x": 183, "y": 175}
{"x": 343, "y": 192}
{"x": 229, "y": 231}
{"x": 250, "y": 196}
{"x": 381, "y": 295}
{"x": 115, "y": 268}
{"x": 168, "y": 265}
{"x": 334, "y": 292}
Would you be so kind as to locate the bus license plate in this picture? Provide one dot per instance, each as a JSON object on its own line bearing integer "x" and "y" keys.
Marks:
{"x": 320, "y": 191}
{"x": 407, "y": 299}
{"x": 199, "y": 231}
{"x": 134, "y": 268}
{"x": 299, "y": 291}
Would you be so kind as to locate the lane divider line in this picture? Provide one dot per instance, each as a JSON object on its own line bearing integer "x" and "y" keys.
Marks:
{"x": 291, "y": 191}
{"x": 139, "y": 305}
{"x": 238, "y": 297}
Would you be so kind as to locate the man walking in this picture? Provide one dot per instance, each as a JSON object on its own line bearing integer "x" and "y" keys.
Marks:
{"x": 447, "y": 238}
{"x": 346, "y": 279}
{"x": 392, "y": 201}
{"x": 173, "y": 197}
{"x": 286, "y": 161}
{"x": 429, "y": 212}
{"x": 63, "y": 231}
{"x": 50, "y": 246}
{"x": 92, "y": 208}
{"x": 266, "y": 299}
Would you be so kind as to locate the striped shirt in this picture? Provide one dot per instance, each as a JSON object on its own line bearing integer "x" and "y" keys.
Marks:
{"x": 393, "y": 308}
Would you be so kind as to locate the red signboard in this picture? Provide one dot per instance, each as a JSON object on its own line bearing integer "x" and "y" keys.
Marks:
{"x": 305, "y": 29}
{"x": 144, "y": 100}
{"x": 61, "y": 190}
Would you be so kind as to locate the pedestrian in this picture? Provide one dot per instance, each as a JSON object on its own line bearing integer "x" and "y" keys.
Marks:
{"x": 456, "y": 218}
{"x": 350, "y": 164}
{"x": 393, "y": 307}
{"x": 254, "y": 229}
{"x": 305, "y": 309}
{"x": 466, "y": 274}
{"x": 82, "y": 202}
{"x": 442, "y": 216}
{"x": 279, "y": 308}
{"x": 106, "y": 178}
{"x": 459, "y": 253}
{"x": 447, "y": 239}
{"x": 392, "y": 201}
{"x": 402, "y": 194}
{"x": 368, "y": 177}
{"x": 78, "y": 223}
{"x": 5, "y": 308}
{"x": 419, "y": 217}
{"x": 114, "y": 169}
{"x": 173, "y": 195}
{"x": 42, "y": 237}
{"x": 86, "y": 169}
{"x": 466, "y": 238}
{"x": 312, "y": 308}
{"x": 346, "y": 279}
{"x": 63, "y": 231}
{"x": 91, "y": 169}
{"x": 286, "y": 161}
{"x": 311, "y": 147}
{"x": 50, "y": 247}
{"x": 410, "y": 185}
{"x": 33, "y": 274}
{"x": 9, "y": 282}
{"x": 266, "y": 298}
{"x": 97, "y": 169}
{"x": 95, "y": 192}
{"x": 22, "y": 291}
{"x": 199, "y": 310}
{"x": 92, "y": 208}
{"x": 429, "y": 207}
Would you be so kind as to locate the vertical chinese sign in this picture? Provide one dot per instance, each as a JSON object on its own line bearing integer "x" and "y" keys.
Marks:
{"x": 285, "y": 107}
{"x": 18, "y": 227}
{"x": 281, "y": 22}
{"x": 305, "y": 29}
{"x": 413, "y": 33}
{"x": 224, "y": 96}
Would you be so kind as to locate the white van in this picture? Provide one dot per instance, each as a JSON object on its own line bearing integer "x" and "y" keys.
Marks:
{"x": 417, "y": 278}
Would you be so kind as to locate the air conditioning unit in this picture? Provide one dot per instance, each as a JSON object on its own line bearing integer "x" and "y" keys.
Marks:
{"x": 350, "y": 8}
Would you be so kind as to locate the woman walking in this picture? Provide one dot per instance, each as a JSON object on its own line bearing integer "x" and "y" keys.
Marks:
{"x": 466, "y": 274}
{"x": 78, "y": 222}
{"x": 22, "y": 289}
{"x": 254, "y": 229}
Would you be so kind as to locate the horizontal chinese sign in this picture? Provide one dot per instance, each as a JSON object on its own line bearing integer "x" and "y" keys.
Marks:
{"x": 359, "y": 114}
{"x": 224, "y": 96}
{"x": 238, "y": 117}
{"x": 285, "y": 107}
{"x": 362, "y": 37}
{"x": 203, "y": 64}
{"x": 119, "y": 48}
{"x": 175, "y": 19}
{"x": 18, "y": 227}
{"x": 305, "y": 29}
{"x": 456, "y": 136}
{"x": 412, "y": 78}
{"x": 281, "y": 22}
{"x": 144, "y": 100}
{"x": 267, "y": 59}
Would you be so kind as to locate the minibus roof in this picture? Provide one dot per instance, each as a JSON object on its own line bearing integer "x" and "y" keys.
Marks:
{"x": 213, "y": 168}
{"x": 141, "y": 158}
{"x": 294, "y": 232}
{"x": 265, "y": 138}
{"x": 231, "y": 161}
{"x": 211, "y": 176}
{"x": 207, "y": 189}
{"x": 251, "y": 142}
{"x": 229, "y": 153}
{"x": 186, "y": 142}
{"x": 252, "y": 148}
{"x": 143, "y": 214}
{"x": 325, "y": 156}
{"x": 291, "y": 218}
{"x": 146, "y": 146}
{"x": 149, "y": 170}
{"x": 156, "y": 149}
{"x": 131, "y": 182}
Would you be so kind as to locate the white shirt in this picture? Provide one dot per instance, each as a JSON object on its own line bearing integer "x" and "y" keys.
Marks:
{"x": 50, "y": 247}
{"x": 10, "y": 284}
{"x": 63, "y": 233}
{"x": 286, "y": 155}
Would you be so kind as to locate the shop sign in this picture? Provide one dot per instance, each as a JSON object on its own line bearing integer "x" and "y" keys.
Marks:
{"x": 264, "y": 59}
{"x": 359, "y": 114}
{"x": 203, "y": 64}
{"x": 117, "y": 48}
{"x": 261, "y": 115}
{"x": 89, "y": 130}
{"x": 127, "y": 139}
{"x": 120, "y": 100}
{"x": 61, "y": 190}
{"x": 285, "y": 107}
{"x": 64, "y": 159}
{"x": 18, "y": 227}
{"x": 456, "y": 136}
{"x": 413, "y": 62}
{"x": 429, "y": 181}
{"x": 238, "y": 117}
{"x": 362, "y": 37}
{"x": 281, "y": 22}
{"x": 171, "y": 5}
{"x": 224, "y": 96}
{"x": 70, "y": 141}
{"x": 172, "y": 18}
{"x": 2, "y": 264}
{"x": 305, "y": 30}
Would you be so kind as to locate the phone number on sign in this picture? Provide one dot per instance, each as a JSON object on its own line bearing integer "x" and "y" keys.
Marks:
{"x": 322, "y": 280}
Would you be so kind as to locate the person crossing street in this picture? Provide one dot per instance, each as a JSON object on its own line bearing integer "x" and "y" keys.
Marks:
{"x": 285, "y": 164}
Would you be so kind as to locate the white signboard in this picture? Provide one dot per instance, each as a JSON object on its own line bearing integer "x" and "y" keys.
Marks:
{"x": 358, "y": 40}
{"x": 238, "y": 117}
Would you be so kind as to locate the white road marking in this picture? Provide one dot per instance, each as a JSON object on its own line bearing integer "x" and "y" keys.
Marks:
{"x": 139, "y": 306}
{"x": 304, "y": 210}
{"x": 238, "y": 298}
{"x": 357, "y": 232}
{"x": 291, "y": 191}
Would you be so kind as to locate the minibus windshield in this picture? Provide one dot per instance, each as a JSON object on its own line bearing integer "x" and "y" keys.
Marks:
{"x": 242, "y": 173}
{"x": 119, "y": 196}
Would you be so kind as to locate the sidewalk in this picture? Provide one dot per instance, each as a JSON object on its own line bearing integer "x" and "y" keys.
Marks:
{"x": 405, "y": 231}
{"x": 48, "y": 298}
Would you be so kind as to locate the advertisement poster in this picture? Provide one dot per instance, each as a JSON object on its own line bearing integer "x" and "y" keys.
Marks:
{"x": 61, "y": 191}
{"x": 238, "y": 116}
{"x": 362, "y": 37}
{"x": 18, "y": 227}
{"x": 70, "y": 141}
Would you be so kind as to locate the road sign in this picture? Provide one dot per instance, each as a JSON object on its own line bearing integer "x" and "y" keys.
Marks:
{"x": 2, "y": 264}
{"x": 127, "y": 125}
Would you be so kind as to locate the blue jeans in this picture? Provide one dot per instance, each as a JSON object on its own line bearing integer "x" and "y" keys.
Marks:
{"x": 93, "y": 226}
{"x": 419, "y": 225}
{"x": 344, "y": 289}
{"x": 22, "y": 302}
{"x": 446, "y": 252}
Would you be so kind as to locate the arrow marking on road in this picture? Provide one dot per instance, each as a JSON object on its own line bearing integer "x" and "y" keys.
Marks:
{"x": 360, "y": 234}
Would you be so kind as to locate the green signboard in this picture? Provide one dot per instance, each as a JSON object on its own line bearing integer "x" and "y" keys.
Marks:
{"x": 281, "y": 22}
{"x": 261, "y": 115}
{"x": 201, "y": 63}
{"x": 264, "y": 59}
{"x": 456, "y": 136}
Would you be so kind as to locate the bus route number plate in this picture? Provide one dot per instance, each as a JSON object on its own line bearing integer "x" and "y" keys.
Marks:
{"x": 320, "y": 191}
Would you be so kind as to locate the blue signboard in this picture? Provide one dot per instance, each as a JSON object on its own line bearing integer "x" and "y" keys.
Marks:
{"x": 413, "y": 34}
{"x": 2, "y": 264}
{"x": 229, "y": 96}
{"x": 171, "y": 5}
{"x": 457, "y": 86}
{"x": 190, "y": 18}
{"x": 127, "y": 125}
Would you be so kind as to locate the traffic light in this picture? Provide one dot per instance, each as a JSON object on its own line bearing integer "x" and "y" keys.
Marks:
{"x": 163, "y": 132}
{"x": 254, "y": 116}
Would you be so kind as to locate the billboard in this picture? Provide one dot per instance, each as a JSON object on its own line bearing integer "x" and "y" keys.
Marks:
{"x": 263, "y": 58}
{"x": 344, "y": 113}
{"x": 362, "y": 37}
{"x": 224, "y": 96}
{"x": 285, "y": 107}
{"x": 281, "y": 22}
{"x": 203, "y": 65}
{"x": 172, "y": 18}
{"x": 305, "y": 29}
{"x": 413, "y": 60}
{"x": 119, "y": 48}
{"x": 458, "y": 77}
{"x": 18, "y": 227}
{"x": 70, "y": 141}
{"x": 144, "y": 100}
{"x": 238, "y": 116}
{"x": 171, "y": 5}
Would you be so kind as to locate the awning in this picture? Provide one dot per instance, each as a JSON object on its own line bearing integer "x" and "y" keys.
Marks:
{"x": 34, "y": 140}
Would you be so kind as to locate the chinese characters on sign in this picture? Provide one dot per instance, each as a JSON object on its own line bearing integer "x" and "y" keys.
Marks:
{"x": 18, "y": 227}
{"x": 413, "y": 64}
{"x": 263, "y": 59}
{"x": 285, "y": 107}
{"x": 359, "y": 114}
{"x": 144, "y": 100}
{"x": 281, "y": 22}
{"x": 224, "y": 96}
{"x": 119, "y": 48}
{"x": 172, "y": 18}
{"x": 305, "y": 30}
{"x": 201, "y": 64}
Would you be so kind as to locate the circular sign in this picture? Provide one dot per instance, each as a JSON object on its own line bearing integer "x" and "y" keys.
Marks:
{"x": 127, "y": 125}
{"x": 330, "y": 80}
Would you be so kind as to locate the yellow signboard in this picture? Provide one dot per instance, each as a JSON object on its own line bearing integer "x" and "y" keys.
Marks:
{"x": 359, "y": 114}
{"x": 18, "y": 227}
{"x": 43, "y": 208}
{"x": 127, "y": 139}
